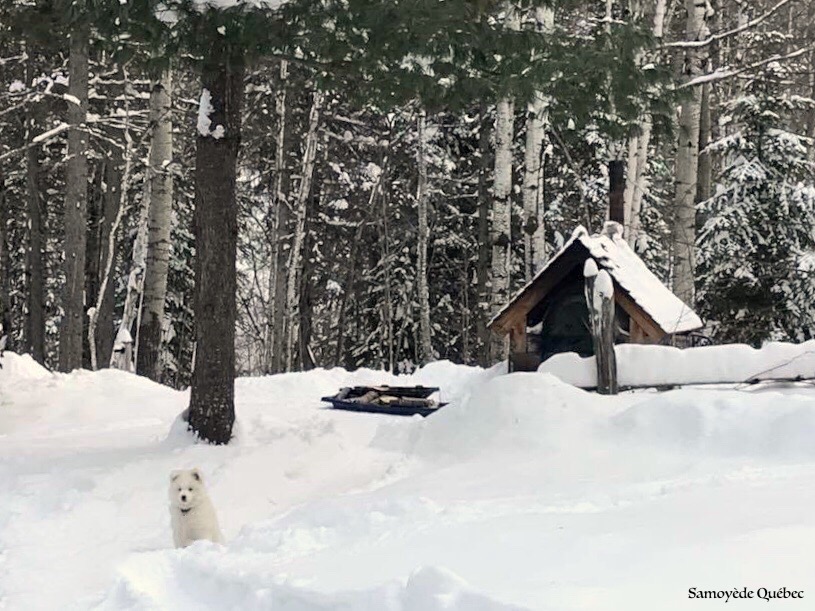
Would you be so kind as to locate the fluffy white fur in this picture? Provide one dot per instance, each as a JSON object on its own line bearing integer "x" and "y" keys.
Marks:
{"x": 192, "y": 515}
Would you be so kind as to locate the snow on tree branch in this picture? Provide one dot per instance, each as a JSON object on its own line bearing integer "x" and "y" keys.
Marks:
{"x": 694, "y": 44}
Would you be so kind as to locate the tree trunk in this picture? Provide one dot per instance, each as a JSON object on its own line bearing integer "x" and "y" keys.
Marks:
{"x": 278, "y": 215}
{"x": 484, "y": 248}
{"x": 305, "y": 357}
{"x": 135, "y": 291}
{"x": 123, "y": 344}
{"x": 501, "y": 217}
{"x": 687, "y": 159}
{"x": 296, "y": 255}
{"x": 385, "y": 244}
{"x": 212, "y": 407}
{"x": 640, "y": 184}
{"x": 35, "y": 333}
{"x": 616, "y": 191}
{"x": 532, "y": 182}
{"x": 637, "y": 182}
{"x": 5, "y": 305}
{"x": 76, "y": 201}
{"x": 704, "y": 187}
{"x": 111, "y": 204}
{"x": 92, "y": 260}
{"x": 426, "y": 346}
{"x": 158, "y": 228}
{"x": 534, "y": 156}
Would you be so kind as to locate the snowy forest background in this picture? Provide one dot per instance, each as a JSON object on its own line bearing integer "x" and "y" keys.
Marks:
{"x": 404, "y": 167}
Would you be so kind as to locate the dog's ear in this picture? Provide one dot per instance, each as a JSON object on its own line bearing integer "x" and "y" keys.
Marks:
{"x": 196, "y": 473}
{"x": 174, "y": 475}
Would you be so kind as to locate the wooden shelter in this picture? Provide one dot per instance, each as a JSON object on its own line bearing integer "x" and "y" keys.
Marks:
{"x": 549, "y": 315}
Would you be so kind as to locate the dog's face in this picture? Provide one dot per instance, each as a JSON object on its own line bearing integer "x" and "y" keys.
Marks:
{"x": 186, "y": 488}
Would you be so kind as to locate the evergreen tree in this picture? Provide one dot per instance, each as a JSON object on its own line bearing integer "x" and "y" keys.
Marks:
{"x": 755, "y": 269}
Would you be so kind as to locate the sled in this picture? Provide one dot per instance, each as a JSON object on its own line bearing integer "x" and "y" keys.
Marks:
{"x": 393, "y": 400}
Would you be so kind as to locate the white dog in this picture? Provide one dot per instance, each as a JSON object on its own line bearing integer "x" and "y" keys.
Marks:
{"x": 191, "y": 512}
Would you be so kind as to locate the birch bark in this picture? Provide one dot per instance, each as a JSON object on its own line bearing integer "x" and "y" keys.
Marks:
{"x": 687, "y": 157}
{"x": 426, "y": 352}
{"x": 637, "y": 182}
{"x": 534, "y": 163}
{"x": 501, "y": 216}
{"x": 157, "y": 257}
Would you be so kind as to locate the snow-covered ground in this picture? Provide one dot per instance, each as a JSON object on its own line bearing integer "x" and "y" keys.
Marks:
{"x": 523, "y": 493}
{"x": 653, "y": 365}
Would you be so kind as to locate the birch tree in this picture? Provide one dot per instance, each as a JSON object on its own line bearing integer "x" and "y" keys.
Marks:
{"x": 158, "y": 228}
{"x": 426, "y": 346}
{"x": 638, "y": 146}
{"x": 534, "y": 162}
{"x": 502, "y": 214}
{"x": 687, "y": 154}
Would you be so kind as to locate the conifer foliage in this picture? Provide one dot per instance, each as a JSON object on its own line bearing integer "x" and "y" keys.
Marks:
{"x": 756, "y": 247}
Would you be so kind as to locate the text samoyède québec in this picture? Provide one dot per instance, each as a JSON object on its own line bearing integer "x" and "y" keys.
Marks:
{"x": 742, "y": 593}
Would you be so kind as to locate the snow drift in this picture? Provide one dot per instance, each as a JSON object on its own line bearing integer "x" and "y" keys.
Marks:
{"x": 643, "y": 365}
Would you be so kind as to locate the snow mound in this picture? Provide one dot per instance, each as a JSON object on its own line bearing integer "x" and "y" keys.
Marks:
{"x": 21, "y": 368}
{"x": 206, "y": 576}
{"x": 534, "y": 413}
{"x": 643, "y": 365}
{"x": 725, "y": 423}
{"x": 514, "y": 413}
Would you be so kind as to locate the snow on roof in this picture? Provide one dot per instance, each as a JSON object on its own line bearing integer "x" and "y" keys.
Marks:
{"x": 613, "y": 254}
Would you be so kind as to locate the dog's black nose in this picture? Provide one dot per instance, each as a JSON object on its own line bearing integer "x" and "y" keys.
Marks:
{"x": 183, "y": 498}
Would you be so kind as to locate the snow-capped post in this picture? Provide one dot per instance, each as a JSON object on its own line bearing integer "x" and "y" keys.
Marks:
{"x": 590, "y": 272}
{"x": 602, "y": 314}
{"x": 122, "y": 357}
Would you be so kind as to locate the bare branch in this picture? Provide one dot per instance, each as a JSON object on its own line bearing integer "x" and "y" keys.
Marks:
{"x": 720, "y": 75}
{"x": 695, "y": 44}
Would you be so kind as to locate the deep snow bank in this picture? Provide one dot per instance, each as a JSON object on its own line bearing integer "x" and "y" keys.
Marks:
{"x": 20, "y": 369}
{"x": 537, "y": 413}
{"x": 643, "y": 365}
{"x": 207, "y": 577}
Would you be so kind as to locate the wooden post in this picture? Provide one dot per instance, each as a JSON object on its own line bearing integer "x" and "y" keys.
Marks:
{"x": 517, "y": 343}
{"x": 600, "y": 301}
{"x": 604, "y": 335}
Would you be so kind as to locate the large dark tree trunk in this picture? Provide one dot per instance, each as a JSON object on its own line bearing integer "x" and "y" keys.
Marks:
{"x": 158, "y": 228}
{"x": 35, "y": 335}
{"x": 212, "y": 408}
{"x": 76, "y": 201}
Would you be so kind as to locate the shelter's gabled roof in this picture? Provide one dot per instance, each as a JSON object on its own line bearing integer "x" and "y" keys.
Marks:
{"x": 613, "y": 254}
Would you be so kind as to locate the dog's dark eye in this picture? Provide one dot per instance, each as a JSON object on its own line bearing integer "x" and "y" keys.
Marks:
{"x": 190, "y": 489}
{"x": 179, "y": 489}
